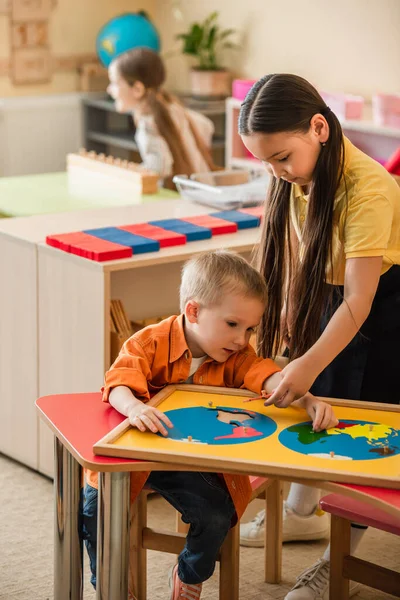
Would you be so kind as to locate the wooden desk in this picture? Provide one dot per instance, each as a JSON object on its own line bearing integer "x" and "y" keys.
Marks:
{"x": 78, "y": 421}
{"x": 54, "y": 310}
{"x": 29, "y": 195}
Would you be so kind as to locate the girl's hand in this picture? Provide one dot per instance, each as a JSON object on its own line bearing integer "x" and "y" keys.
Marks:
{"x": 297, "y": 378}
{"x": 148, "y": 418}
{"x": 320, "y": 412}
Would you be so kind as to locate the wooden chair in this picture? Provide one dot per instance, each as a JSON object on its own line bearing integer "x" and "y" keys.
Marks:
{"x": 143, "y": 538}
{"x": 343, "y": 566}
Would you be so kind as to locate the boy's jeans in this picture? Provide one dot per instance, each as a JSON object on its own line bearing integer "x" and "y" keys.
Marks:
{"x": 204, "y": 503}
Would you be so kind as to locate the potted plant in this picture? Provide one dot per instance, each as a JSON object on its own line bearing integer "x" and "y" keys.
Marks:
{"x": 205, "y": 41}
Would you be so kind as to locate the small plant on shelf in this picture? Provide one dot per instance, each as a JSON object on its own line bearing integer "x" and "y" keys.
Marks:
{"x": 206, "y": 42}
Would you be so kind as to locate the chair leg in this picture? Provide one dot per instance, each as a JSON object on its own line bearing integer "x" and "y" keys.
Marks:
{"x": 229, "y": 566}
{"x": 273, "y": 532}
{"x": 340, "y": 547}
{"x": 137, "y": 554}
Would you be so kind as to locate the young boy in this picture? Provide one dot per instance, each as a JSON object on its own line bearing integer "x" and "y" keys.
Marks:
{"x": 222, "y": 301}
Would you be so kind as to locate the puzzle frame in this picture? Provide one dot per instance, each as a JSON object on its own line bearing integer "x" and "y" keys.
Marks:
{"x": 127, "y": 442}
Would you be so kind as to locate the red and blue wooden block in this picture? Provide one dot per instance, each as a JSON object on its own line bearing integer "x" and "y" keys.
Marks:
{"x": 114, "y": 243}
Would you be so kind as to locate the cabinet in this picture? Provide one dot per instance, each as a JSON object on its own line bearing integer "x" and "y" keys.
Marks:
{"x": 113, "y": 133}
{"x": 378, "y": 142}
{"x": 55, "y": 310}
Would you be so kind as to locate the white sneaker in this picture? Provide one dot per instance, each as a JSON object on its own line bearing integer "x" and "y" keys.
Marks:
{"x": 313, "y": 583}
{"x": 295, "y": 528}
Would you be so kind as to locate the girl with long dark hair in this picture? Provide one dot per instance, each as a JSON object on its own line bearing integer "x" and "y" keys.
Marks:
{"x": 330, "y": 255}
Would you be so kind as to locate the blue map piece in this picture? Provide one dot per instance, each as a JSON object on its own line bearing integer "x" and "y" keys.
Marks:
{"x": 138, "y": 243}
{"x": 204, "y": 425}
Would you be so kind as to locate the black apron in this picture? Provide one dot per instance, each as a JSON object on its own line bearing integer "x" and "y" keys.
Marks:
{"x": 369, "y": 367}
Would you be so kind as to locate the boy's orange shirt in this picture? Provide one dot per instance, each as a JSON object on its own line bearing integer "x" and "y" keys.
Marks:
{"x": 158, "y": 355}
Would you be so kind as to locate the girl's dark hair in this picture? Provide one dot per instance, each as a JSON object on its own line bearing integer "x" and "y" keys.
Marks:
{"x": 142, "y": 64}
{"x": 278, "y": 103}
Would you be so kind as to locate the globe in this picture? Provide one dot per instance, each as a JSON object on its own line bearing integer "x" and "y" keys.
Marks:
{"x": 125, "y": 32}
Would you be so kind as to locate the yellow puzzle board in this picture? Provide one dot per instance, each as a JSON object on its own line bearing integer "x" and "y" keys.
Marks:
{"x": 267, "y": 456}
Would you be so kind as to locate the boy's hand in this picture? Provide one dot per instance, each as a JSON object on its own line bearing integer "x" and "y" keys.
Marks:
{"x": 272, "y": 382}
{"x": 320, "y": 412}
{"x": 148, "y": 418}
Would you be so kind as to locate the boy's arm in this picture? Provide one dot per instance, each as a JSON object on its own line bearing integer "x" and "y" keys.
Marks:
{"x": 131, "y": 369}
{"x": 140, "y": 414}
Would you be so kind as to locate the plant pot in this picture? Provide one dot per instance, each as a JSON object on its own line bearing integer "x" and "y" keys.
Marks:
{"x": 210, "y": 84}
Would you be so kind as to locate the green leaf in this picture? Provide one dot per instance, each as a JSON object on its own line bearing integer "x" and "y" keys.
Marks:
{"x": 226, "y": 33}
{"x": 211, "y": 38}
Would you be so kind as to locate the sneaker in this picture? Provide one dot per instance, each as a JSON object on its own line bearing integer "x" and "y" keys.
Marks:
{"x": 131, "y": 596}
{"x": 295, "y": 528}
{"x": 181, "y": 590}
{"x": 313, "y": 583}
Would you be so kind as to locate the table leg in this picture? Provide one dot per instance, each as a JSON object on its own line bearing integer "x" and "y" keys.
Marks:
{"x": 273, "y": 532}
{"x": 68, "y": 555}
{"x": 113, "y": 536}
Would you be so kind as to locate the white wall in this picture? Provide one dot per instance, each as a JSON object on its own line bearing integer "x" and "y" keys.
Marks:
{"x": 339, "y": 45}
{"x": 73, "y": 27}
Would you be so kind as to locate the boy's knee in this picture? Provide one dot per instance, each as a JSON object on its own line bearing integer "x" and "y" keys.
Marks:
{"x": 220, "y": 518}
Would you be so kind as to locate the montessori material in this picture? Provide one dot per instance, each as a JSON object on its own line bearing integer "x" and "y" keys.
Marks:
{"x": 90, "y": 168}
{"x": 214, "y": 428}
{"x": 113, "y": 243}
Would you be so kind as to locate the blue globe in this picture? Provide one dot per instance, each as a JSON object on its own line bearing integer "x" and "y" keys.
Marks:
{"x": 123, "y": 33}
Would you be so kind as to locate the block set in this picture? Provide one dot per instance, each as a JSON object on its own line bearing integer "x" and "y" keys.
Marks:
{"x": 114, "y": 243}
{"x": 121, "y": 173}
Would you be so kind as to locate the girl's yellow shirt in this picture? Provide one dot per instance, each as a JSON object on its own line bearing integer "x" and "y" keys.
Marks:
{"x": 366, "y": 219}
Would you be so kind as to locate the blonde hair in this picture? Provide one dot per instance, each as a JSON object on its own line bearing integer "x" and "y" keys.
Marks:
{"x": 210, "y": 276}
{"x": 146, "y": 66}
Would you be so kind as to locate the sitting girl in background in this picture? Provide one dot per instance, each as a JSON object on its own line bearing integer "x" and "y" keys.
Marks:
{"x": 171, "y": 138}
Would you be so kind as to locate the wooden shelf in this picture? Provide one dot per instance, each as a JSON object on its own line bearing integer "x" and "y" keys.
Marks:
{"x": 376, "y": 141}
{"x": 104, "y": 127}
{"x": 118, "y": 138}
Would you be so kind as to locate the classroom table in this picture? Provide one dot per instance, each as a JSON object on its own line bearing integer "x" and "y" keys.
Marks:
{"x": 78, "y": 421}
{"x": 48, "y": 193}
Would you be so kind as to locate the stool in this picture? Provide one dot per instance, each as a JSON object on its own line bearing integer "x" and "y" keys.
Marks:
{"x": 343, "y": 566}
{"x": 143, "y": 538}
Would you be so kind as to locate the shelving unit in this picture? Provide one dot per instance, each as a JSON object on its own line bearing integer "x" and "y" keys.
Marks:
{"x": 110, "y": 132}
{"x": 378, "y": 142}
{"x": 59, "y": 305}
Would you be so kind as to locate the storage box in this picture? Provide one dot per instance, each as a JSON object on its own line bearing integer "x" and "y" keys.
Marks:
{"x": 228, "y": 189}
{"x": 240, "y": 87}
{"x": 386, "y": 110}
{"x": 345, "y": 106}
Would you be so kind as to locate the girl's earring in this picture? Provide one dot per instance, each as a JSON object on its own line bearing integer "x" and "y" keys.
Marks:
{"x": 323, "y": 144}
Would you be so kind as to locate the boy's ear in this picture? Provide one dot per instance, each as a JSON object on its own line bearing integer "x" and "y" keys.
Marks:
{"x": 192, "y": 311}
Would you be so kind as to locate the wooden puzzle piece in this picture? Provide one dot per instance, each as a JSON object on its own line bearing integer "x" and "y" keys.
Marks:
{"x": 164, "y": 237}
{"x": 88, "y": 246}
{"x": 192, "y": 232}
{"x": 124, "y": 172}
{"x": 264, "y": 396}
{"x": 243, "y": 220}
{"x": 255, "y": 211}
{"x": 217, "y": 226}
{"x": 136, "y": 243}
